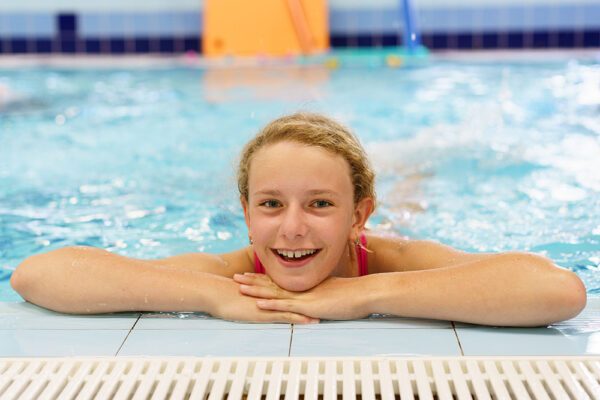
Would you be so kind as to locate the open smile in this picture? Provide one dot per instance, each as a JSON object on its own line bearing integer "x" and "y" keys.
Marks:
{"x": 295, "y": 255}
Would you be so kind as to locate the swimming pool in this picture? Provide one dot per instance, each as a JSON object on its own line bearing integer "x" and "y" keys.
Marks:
{"x": 480, "y": 156}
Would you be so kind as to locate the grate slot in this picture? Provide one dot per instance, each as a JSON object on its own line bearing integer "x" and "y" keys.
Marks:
{"x": 550, "y": 379}
{"x": 459, "y": 379}
{"x": 165, "y": 381}
{"x": 94, "y": 380}
{"x": 184, "y": 379}
{"x": 257, "y": 383}
{"x": 130, "y": 380}
{"x": 589, "y": 382}
{"x": 58, "y": 381}
{"x": 39, "y": 383}
{"x": 9, "y": 374}
{"x": 478, "y": 380}
{"x": 441, "y": 383}
{"x": 111, "y": 382}
{"x": 574, "y": 387}
{"x": 330, "y": 382}
{"x": 21, "y": 381}
{"x": 237, "y": 387}
{"x": 146, "y": 381}
{"x": 348, "y": 380}
{"x": 301, "y": 378}
{"x": 217, "y": 390}
{"x": 293, "y": 380}
{"x": 311, "y": 389}
{"x": 202, "y": 380}
{"x": 405, "y": 387}
{"x": 385, "y": 381}
{"x": 275, "y": 380}
{"x": 423, "y": 380}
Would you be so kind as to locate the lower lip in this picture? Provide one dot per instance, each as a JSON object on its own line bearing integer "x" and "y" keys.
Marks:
{"x": 294, "y": 264}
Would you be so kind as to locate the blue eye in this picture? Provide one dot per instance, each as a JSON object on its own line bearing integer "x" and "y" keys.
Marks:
{"x": 322, "y": 203}
{"x": 270, "y": 203}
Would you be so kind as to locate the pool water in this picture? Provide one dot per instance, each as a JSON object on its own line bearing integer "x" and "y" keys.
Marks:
{"x": 480, "y": 156}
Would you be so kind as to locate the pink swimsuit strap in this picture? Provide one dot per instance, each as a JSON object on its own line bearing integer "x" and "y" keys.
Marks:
{"x": 361, "y": 256}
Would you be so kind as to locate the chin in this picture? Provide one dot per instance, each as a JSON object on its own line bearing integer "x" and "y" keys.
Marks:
{"x": 295, "y": 285}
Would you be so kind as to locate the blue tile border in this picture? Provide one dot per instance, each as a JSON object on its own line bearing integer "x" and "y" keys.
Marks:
{"x": 174, "y": 32}
{"x": 112, "y": 45}
{"x": 66, "y": 24}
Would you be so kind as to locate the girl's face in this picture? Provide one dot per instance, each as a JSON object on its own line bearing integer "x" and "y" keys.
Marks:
{"x": 300, "y": 213}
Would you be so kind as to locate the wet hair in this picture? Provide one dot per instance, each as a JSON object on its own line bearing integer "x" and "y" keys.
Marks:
{"x": 313, "y": 130}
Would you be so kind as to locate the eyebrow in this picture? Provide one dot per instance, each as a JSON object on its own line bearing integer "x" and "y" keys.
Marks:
{"x": 314, "y": 192}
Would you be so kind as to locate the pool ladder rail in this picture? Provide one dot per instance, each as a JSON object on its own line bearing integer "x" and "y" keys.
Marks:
{"x": 543, "y": 377}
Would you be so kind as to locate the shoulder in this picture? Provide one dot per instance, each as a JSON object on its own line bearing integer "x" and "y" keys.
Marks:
{"x": 397, "y": 253}
{"x": 226, "y": 264}
{"x": 385, "y": 249}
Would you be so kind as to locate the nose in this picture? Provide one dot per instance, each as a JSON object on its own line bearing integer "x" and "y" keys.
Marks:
{"x": 293, "y": 222}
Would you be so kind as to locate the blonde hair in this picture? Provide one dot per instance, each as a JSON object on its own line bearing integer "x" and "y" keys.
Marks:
{"x": 313, "y": 130}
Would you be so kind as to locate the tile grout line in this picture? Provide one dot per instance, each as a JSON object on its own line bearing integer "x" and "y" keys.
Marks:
{"x": 462, "y": 353}
{"x": 291, "y": 337}
{"x": 128, "y": 333}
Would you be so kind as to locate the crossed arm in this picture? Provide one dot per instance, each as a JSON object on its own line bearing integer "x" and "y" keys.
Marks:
{"x": 432, "y": 281}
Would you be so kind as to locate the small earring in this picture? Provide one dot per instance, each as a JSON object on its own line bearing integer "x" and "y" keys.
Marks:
{"x": 250, "y": 240}
{"x": 357, "y": 243}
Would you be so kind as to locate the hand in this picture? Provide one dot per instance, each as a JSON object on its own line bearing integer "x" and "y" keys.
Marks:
{"x": 239, "y": 307}
{"x": 334, "y": 298}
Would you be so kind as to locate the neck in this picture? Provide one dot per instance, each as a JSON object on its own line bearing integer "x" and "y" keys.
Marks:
{"x": 348, "y": 265}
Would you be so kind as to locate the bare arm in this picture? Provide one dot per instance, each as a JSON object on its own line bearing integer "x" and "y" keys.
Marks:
{"x": 424, "y": 279}
{"x": 82, "y": 279}
{"x": 508, "y": 289}
{"x": 87, "y": 280}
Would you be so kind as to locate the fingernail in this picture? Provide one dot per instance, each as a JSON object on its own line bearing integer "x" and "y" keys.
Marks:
{"x": 315, "y": 321}
{"x": 261, "y": 303}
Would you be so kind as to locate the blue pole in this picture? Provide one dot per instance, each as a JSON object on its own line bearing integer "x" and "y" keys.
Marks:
{"x": 412, "y": 37}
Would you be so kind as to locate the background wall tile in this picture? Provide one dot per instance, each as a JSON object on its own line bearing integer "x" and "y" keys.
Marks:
{"x": 41, "y": 24}
{"x": 176, "y": 25}
{"x": 14, "y": 24}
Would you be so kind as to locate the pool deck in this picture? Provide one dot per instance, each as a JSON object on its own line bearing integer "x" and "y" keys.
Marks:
{"x": 30, "y": 331}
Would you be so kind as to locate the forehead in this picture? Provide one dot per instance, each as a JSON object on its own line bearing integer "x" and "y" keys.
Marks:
{"x": 298, "y": 163}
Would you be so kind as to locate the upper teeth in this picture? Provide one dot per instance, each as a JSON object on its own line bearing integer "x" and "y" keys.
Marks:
{"x": 295, "y": 254}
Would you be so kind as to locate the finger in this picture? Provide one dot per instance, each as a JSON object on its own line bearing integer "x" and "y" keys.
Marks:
{"x": 259, "y": 291}
{"x": 293, "y": 318}
{"x": 251, "y": 279}
{"x": 279, "y": 305}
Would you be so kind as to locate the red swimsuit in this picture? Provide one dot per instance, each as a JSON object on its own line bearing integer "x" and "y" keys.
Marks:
{"x": 361, "y": 256}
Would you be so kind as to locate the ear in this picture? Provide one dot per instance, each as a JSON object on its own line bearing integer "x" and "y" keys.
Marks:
{"x": 362, "y": 211}
{"x": 246, "y": 212}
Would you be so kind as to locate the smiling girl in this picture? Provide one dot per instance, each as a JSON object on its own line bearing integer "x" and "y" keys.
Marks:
{"x": 307, "y": 190}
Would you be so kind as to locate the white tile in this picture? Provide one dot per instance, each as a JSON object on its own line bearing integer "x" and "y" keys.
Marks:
{"x": 195, "y": 321}
{"x": 222, "y": 343}
{"x": 24, "y": 315}
{"x": 57, "y": 343}
{"x": 374, "y": 342}
{"x": 526, "y": 341}
{"x": 380, "y": 321}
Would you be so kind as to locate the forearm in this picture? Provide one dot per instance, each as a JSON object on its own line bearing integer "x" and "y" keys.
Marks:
{"x": 87, "y": 280}
{"x": 507, "y": 290}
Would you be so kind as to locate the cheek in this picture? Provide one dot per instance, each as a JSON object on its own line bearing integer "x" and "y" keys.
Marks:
{"x": 262, "y": 228}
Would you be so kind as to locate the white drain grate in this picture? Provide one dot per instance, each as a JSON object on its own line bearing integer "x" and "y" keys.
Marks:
{"x": 301, "y": 378}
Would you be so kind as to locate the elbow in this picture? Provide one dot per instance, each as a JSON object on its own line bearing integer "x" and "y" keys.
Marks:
{"x": 25, "y": 275}
{"x": 559, "y": 293}
{"x": 573, "y": 295}
{"x": 31, "y": 276}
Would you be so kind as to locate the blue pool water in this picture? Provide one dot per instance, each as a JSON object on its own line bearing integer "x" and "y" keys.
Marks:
{"x": 483, "y": 157}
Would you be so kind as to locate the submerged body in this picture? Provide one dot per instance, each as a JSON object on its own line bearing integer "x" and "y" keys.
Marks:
{"x": 306, "y": 207}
